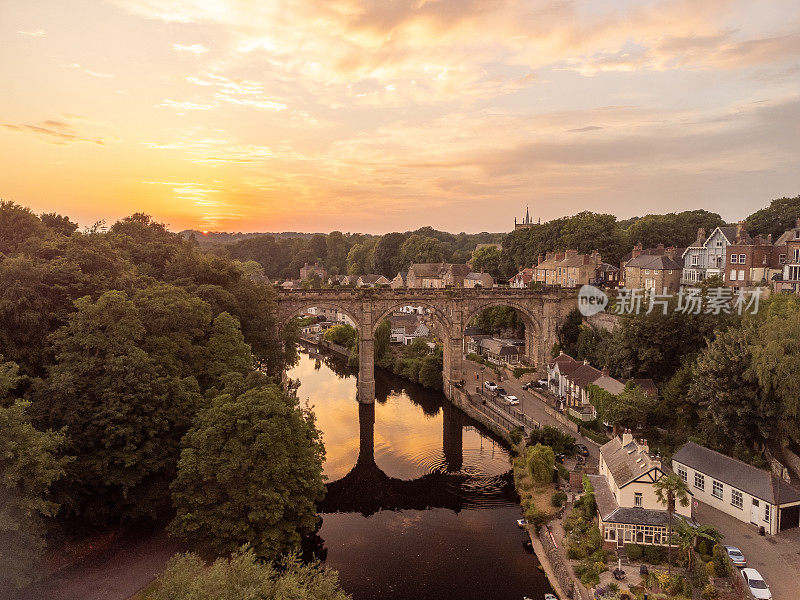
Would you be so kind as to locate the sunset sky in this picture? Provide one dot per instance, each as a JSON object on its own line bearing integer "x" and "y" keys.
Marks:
{"x": 389, "y": 115}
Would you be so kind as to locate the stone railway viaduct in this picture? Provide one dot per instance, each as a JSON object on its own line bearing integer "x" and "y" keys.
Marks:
{"x": 451, "y": 310}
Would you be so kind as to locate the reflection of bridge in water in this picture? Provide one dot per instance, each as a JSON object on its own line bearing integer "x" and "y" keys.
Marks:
{"x": 367, "y": 489}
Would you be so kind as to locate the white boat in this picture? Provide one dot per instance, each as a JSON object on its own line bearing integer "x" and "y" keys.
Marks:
{"x": 521, "y": 523}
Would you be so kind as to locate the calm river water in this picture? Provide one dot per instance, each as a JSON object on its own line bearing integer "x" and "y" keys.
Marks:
{"x": 420, "y": 500}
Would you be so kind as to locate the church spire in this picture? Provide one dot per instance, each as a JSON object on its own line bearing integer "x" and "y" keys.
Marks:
{"x": 527, "y": 216}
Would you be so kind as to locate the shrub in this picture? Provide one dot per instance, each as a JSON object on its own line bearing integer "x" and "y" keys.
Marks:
{"x": 576, "y": 551}
{"x": 535, "y": 516}
{"x": 515, "y": 435}
{"x": 709, "y": 592}
{"x": 702, "y": 548}
{"x": 563, "y": 472}
{"x": 711, "y": 569}
{"x": 687, "y": 587}
{"x": 652, "y": 555}
{"x": 634, "y": 551}
{"x": 558, "y": 498}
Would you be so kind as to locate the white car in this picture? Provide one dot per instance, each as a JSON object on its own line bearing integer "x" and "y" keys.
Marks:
{"x": 542, "y": 382}
{"x": 513, "y": 400}
{"x": 736, "y": 556}
{"x": 490, "y": 385}
{"x": 550, "y": 597}
{"x": 758, "y": 587}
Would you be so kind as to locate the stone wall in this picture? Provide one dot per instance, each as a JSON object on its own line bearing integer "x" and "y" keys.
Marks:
{"x": 560, "y": 569}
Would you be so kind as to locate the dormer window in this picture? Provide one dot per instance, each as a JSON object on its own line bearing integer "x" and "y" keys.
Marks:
{"x": 637, "y": 499}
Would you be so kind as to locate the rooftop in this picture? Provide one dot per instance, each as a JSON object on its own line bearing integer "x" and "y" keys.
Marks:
{"x": 746, "y": 478}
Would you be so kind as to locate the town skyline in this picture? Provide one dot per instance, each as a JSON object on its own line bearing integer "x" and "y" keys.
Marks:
{"x": 368, "y": 117}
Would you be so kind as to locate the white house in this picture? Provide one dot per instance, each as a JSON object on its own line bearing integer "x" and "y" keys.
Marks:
{"x": 706, "y": 256}
{"x": 629, "y": 511}
{"x": 406, "y": 328}
{"x": 738, "y": 489}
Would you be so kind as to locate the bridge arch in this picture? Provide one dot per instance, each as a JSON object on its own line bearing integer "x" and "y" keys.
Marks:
{"x": 297, "y": 309}
{"x": 445, "y": 323}
{"x": 530, "y": 318}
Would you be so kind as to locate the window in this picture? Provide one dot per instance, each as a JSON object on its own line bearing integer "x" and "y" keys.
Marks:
{"x": 637, "y": 499}
{"x": 699, "y": 481}
{"x": 741, "y": 274}
{"x": 683, "y": 475}
{"x": 719, "y": 243}
{"x": 716, "y": 489}
{"x": 766, "y": 512}
{"x": 781, "y": 258}
{"x": 734, "y": 259}
{"x": 742, "y": 259}
{"x": 694, "y": 260}
{"x": 647, "y": 271}
{"x": 732, "y": 276}
{"x": 736, "y": 498}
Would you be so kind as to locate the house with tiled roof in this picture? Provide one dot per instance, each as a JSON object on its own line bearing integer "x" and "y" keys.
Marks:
{"x": 399, "y": 280}
{"x": 788, "y": 252}
{"x": 743, "y": 491}
{"x": 628, "y": 509}
{"x": 478, "y": 280}
{"x": 657, "y": 269}
{"x": 522, "y": 279}
{"x": 437, "y": 275}
{"x": 706, "y": 257}
{"x": 406, "y": 328}
{"x": 371, "y": 281}
{"x": 569, "y": 379}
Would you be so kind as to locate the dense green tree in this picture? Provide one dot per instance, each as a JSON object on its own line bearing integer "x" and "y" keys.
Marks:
{"x": 383, "y": 339}
{"x": 420, "y": 249}
{"x": 29, "y": 463}
{"x": 146, "y": 243}
{"x": 18, "y": 225}
{"x": 775, "y": 349}
{"x": 188, "y": 577}
{"x": 430, "y": 372}
{"x": 569, "y": 331}
{"x": 250, "y": 472}
{"x": 487, "y": 260}
{"x": 387, "y": 254}
{"x": 226, "y": 351}
{"x": 361, "y": 258}
{"x": 541, "y": 461}
{"x": 780, "y": 215}
{"x": 673, "y": 229}
{"x": 337, "y": 248}
{"x": 629, "y": 409}
{"x": 342, "y": 334}
{"x": 727, "y": 391}
{"x": 58, "y": 223}
{"x": 123, "y": 410}
{"x": 499, "y": 319}
{"x": 417, "y": 349}
{"x": 589, "y": 231}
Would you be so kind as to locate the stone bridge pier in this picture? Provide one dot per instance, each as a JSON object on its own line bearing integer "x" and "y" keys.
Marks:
{"x": 450, "y": 311}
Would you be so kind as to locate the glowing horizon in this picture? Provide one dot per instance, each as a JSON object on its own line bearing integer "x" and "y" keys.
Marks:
{"x": 373, "y": 116}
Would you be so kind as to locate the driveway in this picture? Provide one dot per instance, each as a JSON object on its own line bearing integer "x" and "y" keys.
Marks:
{"x": 776, "y": 557}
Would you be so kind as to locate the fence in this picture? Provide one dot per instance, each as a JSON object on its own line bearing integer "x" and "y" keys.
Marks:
{"x": 502, "y": 413}
{"x": 560, "y": 568}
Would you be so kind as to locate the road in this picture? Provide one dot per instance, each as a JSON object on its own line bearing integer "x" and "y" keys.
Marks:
{"x": 531, "y": 402}
{"x": 776, "y": 557}
{"x": 115, "y": 574}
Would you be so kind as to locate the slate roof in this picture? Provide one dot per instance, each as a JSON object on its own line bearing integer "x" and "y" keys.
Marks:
{"x": 526, "y": 275}
{"x": 372, "y": 278}
{"x": 469, "y": 331}
{"x": 647, "y": 385}
{"x": 611, "y": 512}
{"x": 498, "y": 347}
{"x": 427, "y": 269}
{"x": 656, "y": 262}
{"x": 566, "y": 364}
{"x": 746, "y": 478}
{"x": 584, "y": 375}
{"x": 609, "y": 384}
{"x": 626, "y": 463}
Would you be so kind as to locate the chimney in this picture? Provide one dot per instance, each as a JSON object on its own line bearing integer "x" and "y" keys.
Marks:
{"x": 540, "y": 259}
{"x": 670, "y": 252}
{"x": 637, "y": 250}
{"x": 769, "y": 239}
{"x": 627, "y": 437}
{"x": 741, "y": 229}
{"x": 643, "y": 447}
{"x": 605, "y": 372}
{"x": 586, "y": 361}
{"x": 701, "y": 234}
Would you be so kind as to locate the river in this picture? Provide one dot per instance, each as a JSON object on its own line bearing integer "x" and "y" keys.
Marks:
{"x": 420, "y": 501}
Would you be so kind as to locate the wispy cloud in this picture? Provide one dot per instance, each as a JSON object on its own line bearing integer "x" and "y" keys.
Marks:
{"x": 191, "y": 48}
{"x": 54, "y": 132}
{"x": 184, "y": 105}
{"x": 34, "y": 33}
{"x": 78, "y": 67}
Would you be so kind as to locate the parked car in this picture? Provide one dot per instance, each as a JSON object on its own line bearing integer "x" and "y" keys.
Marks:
{"x": 490, "y": 385}
{"x": 500, "y": 392}
{"x": 542, "y": 382}
{"x": 736, "y": 556}
{"x": 582, "y": 449}
{"x": 550, "y": 597}
{"x": 758, "y": 587}
{"x": 513, "y": 400}
{"x": 526, "y": 386}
